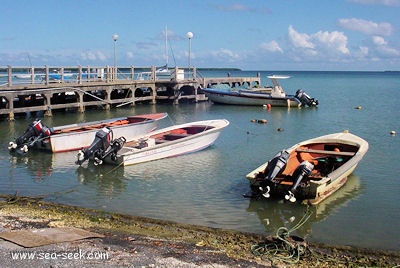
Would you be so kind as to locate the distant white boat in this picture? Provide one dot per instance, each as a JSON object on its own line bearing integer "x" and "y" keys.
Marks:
{"x": 167, "y": 142}
{"x": 23, "y": 76}
{"x": 274, "y": 96}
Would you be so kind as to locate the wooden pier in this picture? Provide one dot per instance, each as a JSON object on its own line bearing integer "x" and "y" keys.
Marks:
{"x": 32, "y": 89}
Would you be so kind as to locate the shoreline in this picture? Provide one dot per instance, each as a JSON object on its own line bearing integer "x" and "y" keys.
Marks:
{"x": 171, "y": 244}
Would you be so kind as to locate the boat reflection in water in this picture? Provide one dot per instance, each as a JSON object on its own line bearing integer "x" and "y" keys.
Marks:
{"x": 48, "y": 171}
{"x": 107, "y": 181}
{"x": 274, "y": 215}
{"x": 39, "y": 168}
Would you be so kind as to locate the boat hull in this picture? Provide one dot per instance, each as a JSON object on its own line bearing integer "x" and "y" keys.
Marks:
{"x": 249, "y": 98}
{"x": 76, "y": 140}
{"x": 315, "y": 189}
{"x": 196, "y": 142}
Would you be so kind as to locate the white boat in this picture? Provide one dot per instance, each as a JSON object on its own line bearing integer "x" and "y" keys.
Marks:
{"x": 23, "y": 76}
{"x": 274, "y": 96}
{"x": 309, "y": 171}
{"x": 167, "y": 142}
{"x": 77, "y": 136}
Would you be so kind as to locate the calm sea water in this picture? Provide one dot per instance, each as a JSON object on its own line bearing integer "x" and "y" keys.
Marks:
{"x": 206, "y": 187}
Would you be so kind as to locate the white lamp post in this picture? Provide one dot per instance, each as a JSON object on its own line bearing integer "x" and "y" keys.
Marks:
{"x": 189, "y": 35}
{"x": 115, "y": 38}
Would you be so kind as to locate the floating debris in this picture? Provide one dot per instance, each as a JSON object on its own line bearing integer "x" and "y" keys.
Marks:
{"x": 267, "y": 106}
{"x": 260, "y": 121}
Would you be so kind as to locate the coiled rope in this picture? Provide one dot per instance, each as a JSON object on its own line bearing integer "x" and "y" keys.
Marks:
{"x": 283, "y": 246}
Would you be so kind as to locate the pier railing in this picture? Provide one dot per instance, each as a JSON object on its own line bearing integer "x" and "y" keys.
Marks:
{"x": 10, "y": 75}
{"x": 34, "y": 89}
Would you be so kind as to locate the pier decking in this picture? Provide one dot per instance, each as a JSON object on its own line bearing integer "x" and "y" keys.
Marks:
{"x": 32, "y": 89}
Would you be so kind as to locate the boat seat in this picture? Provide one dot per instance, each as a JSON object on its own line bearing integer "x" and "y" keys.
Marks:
{"x": 159, "y": 141}
{"x": 291, "y": 165}
{"x": 306, "y": 150}
{"x": 175, "y": 136}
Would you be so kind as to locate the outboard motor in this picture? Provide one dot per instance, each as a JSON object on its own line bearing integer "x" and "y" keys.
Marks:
{"x": 111, "y": 151}
{"x": 100, "y": 144}
{"x": 275, "y": 165}
{"x": 305, "y": 99}
{"x": 303, "y": 170}
{"x": 35, "y": 131}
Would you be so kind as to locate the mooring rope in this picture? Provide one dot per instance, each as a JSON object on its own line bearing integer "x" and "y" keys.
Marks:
{"x": 283, "y": 246}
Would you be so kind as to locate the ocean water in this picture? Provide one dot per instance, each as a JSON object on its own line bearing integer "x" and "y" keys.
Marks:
{"x": 207, "y": 187}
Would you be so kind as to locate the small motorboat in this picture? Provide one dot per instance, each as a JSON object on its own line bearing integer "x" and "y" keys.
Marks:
{"x": 311, "y": 170}
{"x": 77, "y": 136}
{"x": 274, "y": 96}
{"x": 167, "y": 142}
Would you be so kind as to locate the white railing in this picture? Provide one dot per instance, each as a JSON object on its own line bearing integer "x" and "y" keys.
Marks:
{"x": 10, "y": 75}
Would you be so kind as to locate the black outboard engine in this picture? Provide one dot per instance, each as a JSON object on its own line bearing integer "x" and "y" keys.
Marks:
{"x": 305, "y": 99}
{"x": 99, "y": 145}
{"x": 303, "y": 170}
{"x": 275, "y": 165}
{"x": 35, "y": 132}
{"x": 111, "y": 151}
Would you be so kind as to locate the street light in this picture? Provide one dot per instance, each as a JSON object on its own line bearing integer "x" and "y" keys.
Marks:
{"x": 115, "y": 38}
{"x": 189, "y": 35}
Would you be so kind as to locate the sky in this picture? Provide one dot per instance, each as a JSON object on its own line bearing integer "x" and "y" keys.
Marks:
{"x": 328, "y": 35}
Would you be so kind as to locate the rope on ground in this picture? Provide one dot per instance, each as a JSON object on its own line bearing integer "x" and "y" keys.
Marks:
{"x": 283, "y": 246}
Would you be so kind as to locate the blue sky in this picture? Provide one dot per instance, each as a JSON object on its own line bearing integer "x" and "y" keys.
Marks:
{"x": 247, "y": 34}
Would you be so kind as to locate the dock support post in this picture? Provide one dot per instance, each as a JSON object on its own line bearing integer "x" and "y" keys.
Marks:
{"x": 10, "y": 105}
{"x": 48, "y": 112}
{"x": 32, "y": 72}
{"x": 80, "y": 75}
{"x": 81, "y": 107}
{"x": 9, "y": 74}
{"x": 154, "y": 94}
{"x": 48, "y": 102}
{"x": 132, "y": 73}
{"x": 47, "y": 74}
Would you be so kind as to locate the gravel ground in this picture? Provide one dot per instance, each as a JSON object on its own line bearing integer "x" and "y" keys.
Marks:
{"x": 142, "y": 242}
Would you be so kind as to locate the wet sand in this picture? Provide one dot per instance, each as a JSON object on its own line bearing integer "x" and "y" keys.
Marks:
{"x": 143, "y": 242}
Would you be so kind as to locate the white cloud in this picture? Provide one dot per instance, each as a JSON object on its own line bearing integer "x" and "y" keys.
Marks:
{"x": 383, "y": 49}
{"x": 379, "y": 41}
{"x": 335, "y": 40}
{"x": 366, "y": 27}
{"x": 321, "y": 42}
{"x": 226, "y": 54}
{"x": 101, "y": 56}
{"x": 300, "y": 40}
{"x": 93, "y": 56}
{"x": 272, "y": 46}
